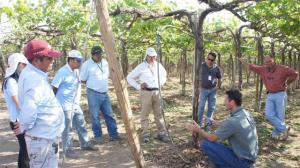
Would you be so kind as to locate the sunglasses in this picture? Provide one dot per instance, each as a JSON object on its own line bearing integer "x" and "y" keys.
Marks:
{"x": 78, "y": 60}
{"x": 45, "y": 58}
{"x": 212, "y": 60}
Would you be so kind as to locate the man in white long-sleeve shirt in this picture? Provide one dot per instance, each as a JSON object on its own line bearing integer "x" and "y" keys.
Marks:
{"x": 145, "y": 79}
{"x": 41, "y": 116}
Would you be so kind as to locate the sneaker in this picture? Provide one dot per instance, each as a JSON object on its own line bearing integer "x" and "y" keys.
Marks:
{"x": 163, "y": 137}
{"x": 275, "y": 137}
{"x": 116, "y": 138}
{"x": 90, "y": 147}
{"x": 146, "y": 139}
{"x": 99, "y": 140}
{"x": 71, "y": 154}
{"x": 285, "y": 134}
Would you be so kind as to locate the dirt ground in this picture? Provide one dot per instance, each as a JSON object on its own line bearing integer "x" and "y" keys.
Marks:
{"x": 181, "y": 154}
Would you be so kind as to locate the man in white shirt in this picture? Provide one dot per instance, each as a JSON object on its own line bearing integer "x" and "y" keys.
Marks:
{"x": 145, "y": 79}
{"x": 41, "y": 116}
{"x": 95, "y": 73}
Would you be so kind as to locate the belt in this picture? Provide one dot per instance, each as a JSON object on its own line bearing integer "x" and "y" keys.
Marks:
{"x": 33, "y": 137}
{"x": 97, "y": 91}
{"x": 150, "y": 89}
{"x": 275, "y": 91}
{"x": 209, "y": 88}
{"x": 38, "y": 138}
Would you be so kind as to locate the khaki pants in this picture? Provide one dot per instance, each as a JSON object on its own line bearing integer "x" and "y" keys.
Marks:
{"x": 150, "y": 102}
{"x": 43, "y": 153}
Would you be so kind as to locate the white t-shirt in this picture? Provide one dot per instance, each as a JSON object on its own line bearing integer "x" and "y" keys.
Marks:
{"x": 10, "y": 90}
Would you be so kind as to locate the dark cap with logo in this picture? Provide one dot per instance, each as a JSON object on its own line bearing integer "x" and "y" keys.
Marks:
{"x": 97, "y": 50}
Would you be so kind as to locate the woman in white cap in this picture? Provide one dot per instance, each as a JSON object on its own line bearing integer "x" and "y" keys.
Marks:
{"x": 16, "y": 63}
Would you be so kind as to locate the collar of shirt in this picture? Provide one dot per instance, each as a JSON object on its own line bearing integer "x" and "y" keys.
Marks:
{"x": 75, "y": 71}
{"x": 213, "y": 66}
{"x": 42, "y": 73}
{"x": 69, "y": 68}
{"x": 151, "y": 65}
{"x": 99, "y": 63}
{"x": 272, "y": 69}
{"x": 238, "y": 109}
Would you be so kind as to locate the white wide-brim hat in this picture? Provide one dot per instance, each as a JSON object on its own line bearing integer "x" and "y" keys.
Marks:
{"x": 13, "y": 62}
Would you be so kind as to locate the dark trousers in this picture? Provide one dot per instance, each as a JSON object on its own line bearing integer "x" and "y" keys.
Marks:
{"x": 23, "y": 160}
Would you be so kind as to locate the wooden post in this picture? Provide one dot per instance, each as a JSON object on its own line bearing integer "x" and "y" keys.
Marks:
{"x": 260, "y": 57}
{"x": 119, "y": 81}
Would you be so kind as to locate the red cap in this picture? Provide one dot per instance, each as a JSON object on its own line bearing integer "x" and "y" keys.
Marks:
{"x": 39, "y": 48}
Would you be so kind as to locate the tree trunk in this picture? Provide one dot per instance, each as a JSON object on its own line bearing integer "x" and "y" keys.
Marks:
{"x": 232, "y": 71}
{"x": 199, "y": 54}
{"x": 259, "y": 86}
{"x": 219, "y": 59}
{"x": 282, "y": 53}
{"x": 2, "y": 64}
{"x": 184, "y": 67}
{"x": 248, "y": 71}
{"x": 238, "y": 54}
{"x": 290, "y": 57}
{"x": 272, "y": 48}
{"x": 294, "y": 67}
{"x": 124, "y": 58}
{"x": 73, "y": 44}
{"x": 119, "y": 81}
{"x": 298, "y": 86}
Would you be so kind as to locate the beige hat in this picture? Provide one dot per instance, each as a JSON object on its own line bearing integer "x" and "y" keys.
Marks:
{"x": 13, "y": 62}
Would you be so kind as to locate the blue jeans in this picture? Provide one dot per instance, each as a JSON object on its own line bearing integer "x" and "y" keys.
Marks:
{"x": 223, "y": 157}
{"x": 275, "y": 111}
{"x": 210, "y": 96}
{"x": 75, "y": 120}
{"x": 101, "y": 102}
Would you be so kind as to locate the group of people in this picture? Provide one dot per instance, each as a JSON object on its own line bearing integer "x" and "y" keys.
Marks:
{"x": 42, "y": 112}
{"x": 240, "y": 128}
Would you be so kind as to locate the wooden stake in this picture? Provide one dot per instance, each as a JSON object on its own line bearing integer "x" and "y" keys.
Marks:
{"x": 119, "y": 81}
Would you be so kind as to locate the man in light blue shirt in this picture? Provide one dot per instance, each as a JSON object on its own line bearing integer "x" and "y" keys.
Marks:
{"x": 67, "y": 87}
{"x": 95, "y": 73}
{"x": 41, "y": 116}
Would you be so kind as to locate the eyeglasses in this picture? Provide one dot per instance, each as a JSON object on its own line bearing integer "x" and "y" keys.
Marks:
{"x": 212, "y": 60}
{"x": 46, "y": 58}
{"x": 78, "y": 60}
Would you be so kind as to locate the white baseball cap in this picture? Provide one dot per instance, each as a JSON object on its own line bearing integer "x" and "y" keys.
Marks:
{"x": 151, "y": 52}
{"x": 13, "y": 62}
{"x": 75, "y": 54}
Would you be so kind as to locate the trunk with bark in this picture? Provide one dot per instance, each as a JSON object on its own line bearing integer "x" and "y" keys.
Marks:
{"x": 124, "y": 57}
